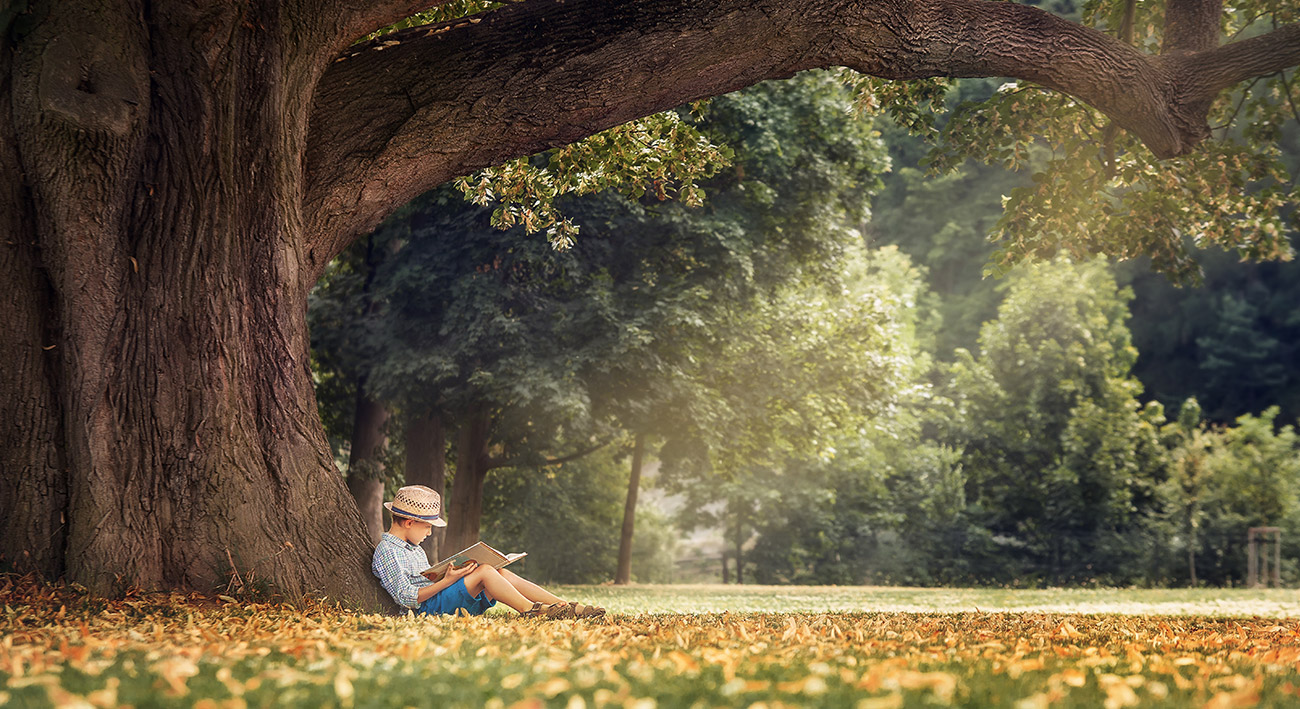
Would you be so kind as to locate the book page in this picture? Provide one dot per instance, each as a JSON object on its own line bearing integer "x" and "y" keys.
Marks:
{"x": 479, "y": 552}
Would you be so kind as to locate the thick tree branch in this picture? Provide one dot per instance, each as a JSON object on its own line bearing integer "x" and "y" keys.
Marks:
{"x": 1212, "y": 71}
{"x": 410, "y": 111}
{"x": 350, "y": 19}
{"x": 395, "y": 117}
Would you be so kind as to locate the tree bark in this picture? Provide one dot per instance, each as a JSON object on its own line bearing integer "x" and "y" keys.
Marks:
{"x": 163, "y": 413}
{"x": 624, "y": 574}
{"x": 365, "y": 461}
{"x": 397, "y": 116}
{"x": 1192, "y": 25}
{"x": 34, "y": 483}
{"x": 472, "y": 466}
{"x": 426, "y": 464}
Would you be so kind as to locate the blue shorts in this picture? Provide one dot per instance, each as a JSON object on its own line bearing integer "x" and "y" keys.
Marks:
{"x": 454, "y": 597}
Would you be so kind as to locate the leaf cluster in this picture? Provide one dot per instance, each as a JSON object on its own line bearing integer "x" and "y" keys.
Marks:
{"x": 661, "y": 155}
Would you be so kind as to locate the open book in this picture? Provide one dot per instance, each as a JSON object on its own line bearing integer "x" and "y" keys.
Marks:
{"x": 480, "y": 552}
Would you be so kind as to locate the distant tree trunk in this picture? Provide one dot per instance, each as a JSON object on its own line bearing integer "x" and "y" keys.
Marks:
{"x": 426, "y": 464}
{"x": 726, "y": 571}
{"x": 624, "y": 574}
{"x": 740, "y": 550}
{"x": 366, "y": 471}
{"x": 472, "y": 465}
{"x": 366, "y": 463}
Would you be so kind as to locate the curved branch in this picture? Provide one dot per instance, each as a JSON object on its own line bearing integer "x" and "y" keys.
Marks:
{"x": 403, "y": 114}
{"x": 1214, "y": 70}
{"x": 395, "y": 117}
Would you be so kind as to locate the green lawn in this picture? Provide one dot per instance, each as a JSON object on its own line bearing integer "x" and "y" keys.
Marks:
{"x": 664, "y": 646}
{"x": 1273, "y": 603}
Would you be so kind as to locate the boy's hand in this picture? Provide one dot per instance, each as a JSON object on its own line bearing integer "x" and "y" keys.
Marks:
{"x": 456, "y": 572}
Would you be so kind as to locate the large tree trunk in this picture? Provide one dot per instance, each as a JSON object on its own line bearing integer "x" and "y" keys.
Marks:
{"x": 472, "y": 464}
{"x": 34, "y": 484}
{"x": 159, "y": 408}
{"x": 624, "y": 573}
{"x": 365, "y": 461}
{"x": 426, "y": 464}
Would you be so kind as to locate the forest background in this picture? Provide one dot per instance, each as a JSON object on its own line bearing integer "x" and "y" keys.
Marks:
{"x": 825, "y": 357}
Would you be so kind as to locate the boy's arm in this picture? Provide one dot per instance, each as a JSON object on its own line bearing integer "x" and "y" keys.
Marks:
{"x": 453, "y": 574}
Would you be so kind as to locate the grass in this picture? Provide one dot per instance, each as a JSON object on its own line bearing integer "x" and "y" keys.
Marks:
{"x": 672, "y": 646}
{"x": 1215, "y": 602}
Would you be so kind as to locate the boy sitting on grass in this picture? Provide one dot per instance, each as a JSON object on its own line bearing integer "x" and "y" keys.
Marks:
{"x": 399, "y": 559}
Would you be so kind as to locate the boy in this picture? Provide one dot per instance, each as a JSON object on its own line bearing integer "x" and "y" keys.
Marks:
{"x": 399, "y": 559}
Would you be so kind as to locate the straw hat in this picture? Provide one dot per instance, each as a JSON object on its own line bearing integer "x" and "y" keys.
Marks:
{"x": 419, "y": 503}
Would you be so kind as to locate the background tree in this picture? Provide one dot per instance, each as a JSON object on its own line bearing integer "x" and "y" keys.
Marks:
{"x": 943, "y": 218}
{"x": 794, "y": 380}
{"x": 518, "y": 346}
{"x": 1252, "y": 473}
{"x": 804, "y": 172}
{"x": 489, "y": 333}
{"x": 1054, "y": 437}
{"x": 1228, "y": 342}
{"x": 1190, "y": 444}
{"x": 344, "y": 340}
{"x": 915, "y": 499}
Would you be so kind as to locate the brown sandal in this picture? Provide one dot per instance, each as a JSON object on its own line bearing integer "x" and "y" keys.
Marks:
{"x": 550, "y": 611}
{"x": 582, "y": 610}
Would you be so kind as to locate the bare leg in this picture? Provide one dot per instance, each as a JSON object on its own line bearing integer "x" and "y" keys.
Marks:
{"x": 497, "y": 586}
{"x": 531, "y": 591}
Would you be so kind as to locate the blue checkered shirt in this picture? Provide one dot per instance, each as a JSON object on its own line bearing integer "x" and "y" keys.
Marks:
{"x": 398, "y": 564}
